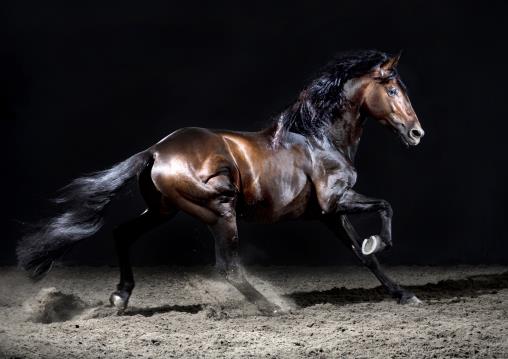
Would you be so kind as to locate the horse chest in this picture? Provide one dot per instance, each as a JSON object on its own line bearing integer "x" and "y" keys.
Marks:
{"x": 331, "y": 178}
{"x": 346, "y": 175}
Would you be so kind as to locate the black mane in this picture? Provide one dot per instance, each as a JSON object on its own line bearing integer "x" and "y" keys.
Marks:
{"x": 322, "y": 100}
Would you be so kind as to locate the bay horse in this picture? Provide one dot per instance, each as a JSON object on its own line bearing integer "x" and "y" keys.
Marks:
{"x": 301, "y": 166}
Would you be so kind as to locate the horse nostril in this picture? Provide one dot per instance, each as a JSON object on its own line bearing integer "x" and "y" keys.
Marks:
{"x": 416, "y": 133}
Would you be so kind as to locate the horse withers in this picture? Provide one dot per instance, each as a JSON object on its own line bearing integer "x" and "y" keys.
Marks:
{"x": 301, "y": 166}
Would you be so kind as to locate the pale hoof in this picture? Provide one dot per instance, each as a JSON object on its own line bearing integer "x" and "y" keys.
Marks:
{"x": 412, "y": 301}
{"x": 118, "y": 301}
{"x": 373, "y": 244}
{"x": 269, "y": 309}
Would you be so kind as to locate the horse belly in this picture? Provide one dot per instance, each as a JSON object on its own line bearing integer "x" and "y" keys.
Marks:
{"x": 278, "y": 198}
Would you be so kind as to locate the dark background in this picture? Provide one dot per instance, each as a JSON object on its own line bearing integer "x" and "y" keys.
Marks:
{"x": 86, "y": 84}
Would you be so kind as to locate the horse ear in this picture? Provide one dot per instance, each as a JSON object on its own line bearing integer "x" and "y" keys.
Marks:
{"x": 392, "y": 62}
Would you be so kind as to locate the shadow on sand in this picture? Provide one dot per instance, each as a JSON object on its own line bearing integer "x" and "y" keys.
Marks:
{"x": 471, "y": 286}
{"x": 148, "y": 312}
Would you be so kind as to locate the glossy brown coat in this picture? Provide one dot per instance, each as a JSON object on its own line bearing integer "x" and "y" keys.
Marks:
{"x": 195, "y": 168}
{"x": 217, "y": 175}
{"x": 271, "y": 175}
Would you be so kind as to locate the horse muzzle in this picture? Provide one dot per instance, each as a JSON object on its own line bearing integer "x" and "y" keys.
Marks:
{"x": 411, "y": 137}
{"x": 415, "y": 135}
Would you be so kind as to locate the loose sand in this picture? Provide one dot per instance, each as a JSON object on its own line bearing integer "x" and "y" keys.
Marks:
{"x": 332, "y": 312}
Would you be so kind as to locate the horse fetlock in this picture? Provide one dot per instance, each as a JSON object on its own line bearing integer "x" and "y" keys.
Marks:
{"x": 388, "y": 242}
{"x": 125, "y": 287}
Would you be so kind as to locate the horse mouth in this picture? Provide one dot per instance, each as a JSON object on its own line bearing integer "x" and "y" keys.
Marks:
{"x": 410, "y": 136}
{"x": 408, "y": 141}
{"x": 405, "y": 139}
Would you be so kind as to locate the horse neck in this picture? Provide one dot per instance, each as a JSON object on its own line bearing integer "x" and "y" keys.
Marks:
{"x": 346, "y": 131}
{"x": 343, "y": 134}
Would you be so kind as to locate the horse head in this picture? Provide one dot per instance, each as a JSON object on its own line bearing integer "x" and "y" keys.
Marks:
{"x": 385, "y": 99}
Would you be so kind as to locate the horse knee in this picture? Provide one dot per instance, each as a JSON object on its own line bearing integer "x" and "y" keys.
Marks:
{"x": 386, "y": 207}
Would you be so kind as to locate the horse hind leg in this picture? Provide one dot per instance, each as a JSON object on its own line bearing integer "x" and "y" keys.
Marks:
{"x": 124, "y": 236}
{"x": 213, "y": 203}
{"x": 228, "y": 264}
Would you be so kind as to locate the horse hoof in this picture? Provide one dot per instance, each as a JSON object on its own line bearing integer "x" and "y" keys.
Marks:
{"x": 270, "y": 310}
{"x": 412, "y": 300}
{"x": 372, "y": 245}
{"x": 120, "y": 302}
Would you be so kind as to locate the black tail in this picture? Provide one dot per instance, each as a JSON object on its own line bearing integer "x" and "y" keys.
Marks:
{"x": 85, "y": 200}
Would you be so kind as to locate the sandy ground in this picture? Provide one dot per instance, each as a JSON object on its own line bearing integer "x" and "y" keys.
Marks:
{"x": 332, "y": 312}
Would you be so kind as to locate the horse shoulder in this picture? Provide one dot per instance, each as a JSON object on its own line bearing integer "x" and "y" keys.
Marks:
{"x": 331, "y": 176}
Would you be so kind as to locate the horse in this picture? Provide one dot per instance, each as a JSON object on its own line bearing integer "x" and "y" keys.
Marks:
{"x": 299, "y": 167}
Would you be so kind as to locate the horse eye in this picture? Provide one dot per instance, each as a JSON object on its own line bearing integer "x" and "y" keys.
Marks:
{"x": 392, "y": 91}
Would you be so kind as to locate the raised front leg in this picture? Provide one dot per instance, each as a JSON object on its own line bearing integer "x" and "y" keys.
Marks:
{"x": 345, "y": 231}
{"x": 352, "y": 202}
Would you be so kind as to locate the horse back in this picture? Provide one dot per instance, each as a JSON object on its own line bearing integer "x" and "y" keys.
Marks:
{"x": 198, "y": 165}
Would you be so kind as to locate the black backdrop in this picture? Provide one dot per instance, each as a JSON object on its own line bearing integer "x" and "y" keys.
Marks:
{"x": 88, "y": 83}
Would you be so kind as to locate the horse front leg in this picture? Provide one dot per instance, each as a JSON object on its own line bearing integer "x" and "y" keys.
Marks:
{"x": 352, "y": 202}
{"x": 344, "y": 230}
